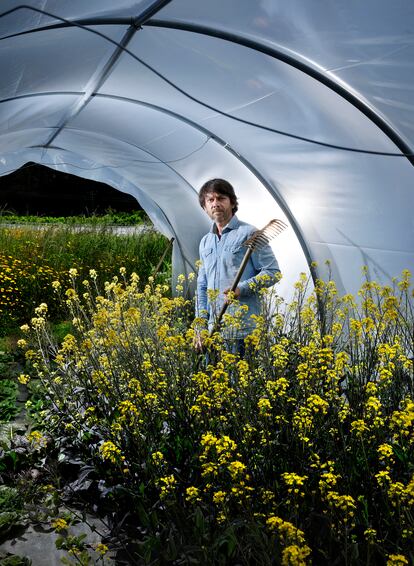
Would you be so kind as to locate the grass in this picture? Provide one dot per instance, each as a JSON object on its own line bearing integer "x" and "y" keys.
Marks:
{"x": 110, "y": 218}
{"x": 33, "y": 259}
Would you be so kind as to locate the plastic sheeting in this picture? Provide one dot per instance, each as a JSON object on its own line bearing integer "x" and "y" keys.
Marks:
{"x": 305, "y": 106}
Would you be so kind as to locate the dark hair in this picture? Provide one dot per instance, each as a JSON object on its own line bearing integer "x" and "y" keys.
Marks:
{"x": 220, "y": 186}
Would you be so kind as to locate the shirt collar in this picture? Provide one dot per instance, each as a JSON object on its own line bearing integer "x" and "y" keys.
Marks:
{"x": 232, "y": 225}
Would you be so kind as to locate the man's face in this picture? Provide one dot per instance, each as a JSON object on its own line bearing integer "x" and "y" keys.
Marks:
{"x": 219, "y": 208}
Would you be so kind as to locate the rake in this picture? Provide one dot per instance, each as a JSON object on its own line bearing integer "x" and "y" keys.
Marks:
{"x": 258, "y": 240}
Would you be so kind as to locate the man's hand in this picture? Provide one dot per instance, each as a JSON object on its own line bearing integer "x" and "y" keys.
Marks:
{"x": 198, "y": 343}
{"x": 234, "y": 295}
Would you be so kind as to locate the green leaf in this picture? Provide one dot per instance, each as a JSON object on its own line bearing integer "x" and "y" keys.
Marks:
{"x": 15, "y": 560}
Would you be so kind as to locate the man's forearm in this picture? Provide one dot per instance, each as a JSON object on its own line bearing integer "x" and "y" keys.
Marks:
{"x": 265, "y": 278}
{"x": 267, "y": 268}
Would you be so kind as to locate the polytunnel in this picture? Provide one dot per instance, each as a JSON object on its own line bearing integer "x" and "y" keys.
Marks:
{"x": 305, "y": 106}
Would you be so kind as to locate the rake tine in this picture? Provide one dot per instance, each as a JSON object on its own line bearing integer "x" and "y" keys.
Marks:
{"x": 262, "y": 237}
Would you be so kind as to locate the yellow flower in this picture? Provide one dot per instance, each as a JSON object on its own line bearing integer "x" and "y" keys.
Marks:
{"x": 303, "y": 422}
{"x": 345, "y": 504}
{"x": 71, "y": 294}
{"x": 359, "y": 427}
{"x": 264, "y": 407}
{"x": 41, "y": 309}
{"x": 23, "y": 378}
{"x": 317, "y": 404}
{"x": 396, "y": 493}
{"x": 236, "y": 469}
{"x": 385, "y": 452}
{"x": 409, "y": 492}
{"x": 294, "y": 482}
{"x": 208, "y": 440}
{"x": 59, "y": 525}
{"x": 294, "y": 555}
{"x": 383, "y": 478}
{"x": 396, "y": 560}
{"x": 110, "y": 452}
{"x": 274, "y": 522}
{"x": 101, "y": 549}
{"x": 328, "y": 481}
{"x": 371, "y": 388}
{"x": 38, "y": 322}
{"x": 157, "y": 457}
{"x": 402, "y": 421}
{"x": 219, "y": 497}
{"x": 167, "y": 485}
{"x": 370, "y": 535}
{"x": 192, "y": 494}
{"x": 37, "y": 439}
{"x": 372, "y": 406}
{"x": 287, "y": 531}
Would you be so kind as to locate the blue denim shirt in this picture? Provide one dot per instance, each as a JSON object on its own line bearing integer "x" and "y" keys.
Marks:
{"x": 220, "y": 261}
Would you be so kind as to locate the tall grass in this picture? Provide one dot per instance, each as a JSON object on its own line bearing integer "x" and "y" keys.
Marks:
{"x": 31, "y": 259}
{"x": 109, "y": 218}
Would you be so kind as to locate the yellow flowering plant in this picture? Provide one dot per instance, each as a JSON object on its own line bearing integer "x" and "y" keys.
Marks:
{"x": 300, "y": 452}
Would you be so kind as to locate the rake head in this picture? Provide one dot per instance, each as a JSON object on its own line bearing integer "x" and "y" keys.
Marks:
{"x": 262, "y": 237}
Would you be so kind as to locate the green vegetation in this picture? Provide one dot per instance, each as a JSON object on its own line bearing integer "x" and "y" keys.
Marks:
{"x": 9, "y": 370}
{"x": 8, "y": 396}
{"x": 111, "y": 218}
{"x": 32, "y": 259}
{"x": 35, "y": 264}
{"x": 301, "y": 452}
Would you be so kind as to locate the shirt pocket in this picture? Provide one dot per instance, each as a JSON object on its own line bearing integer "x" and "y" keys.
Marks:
{"x": 207, "y": 257}
{"x": 235, "y": 255}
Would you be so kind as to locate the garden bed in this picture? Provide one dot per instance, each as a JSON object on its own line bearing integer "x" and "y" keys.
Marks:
{"x": 300, "y": 453}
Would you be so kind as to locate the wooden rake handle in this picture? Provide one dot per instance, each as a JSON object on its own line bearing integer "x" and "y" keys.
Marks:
{"x": 233, "y": 287}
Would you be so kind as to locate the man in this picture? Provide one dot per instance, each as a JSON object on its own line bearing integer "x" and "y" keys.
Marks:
{"x": 221, "y": 253}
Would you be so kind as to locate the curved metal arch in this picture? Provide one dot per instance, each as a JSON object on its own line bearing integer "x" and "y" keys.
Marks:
{"x": 277, "y": 54}
{"x": 280, "y": 55}
{"x": 153, "y": 7}
{"x": 94, "y": 84}
{"x": 186, "y": 261}
{"x": 268, "y": 186}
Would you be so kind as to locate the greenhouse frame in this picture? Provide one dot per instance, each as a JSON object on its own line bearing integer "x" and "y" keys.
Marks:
{"x": 305, "y": 106}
